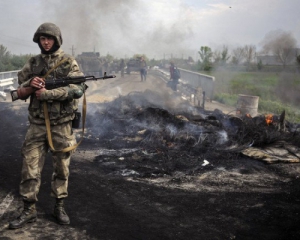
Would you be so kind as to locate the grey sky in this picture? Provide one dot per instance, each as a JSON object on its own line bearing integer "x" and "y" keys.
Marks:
{"x": 127, "y": 27}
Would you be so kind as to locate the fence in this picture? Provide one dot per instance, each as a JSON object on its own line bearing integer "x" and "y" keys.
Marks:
{"x": 7, "y": 80}
{"x": 198, "y": 80}
{"x": 197, "y": 87}
{"x": 10, "y": 74}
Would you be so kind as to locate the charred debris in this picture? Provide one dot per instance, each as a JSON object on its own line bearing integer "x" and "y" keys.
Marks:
{"x": 138, "y": 128}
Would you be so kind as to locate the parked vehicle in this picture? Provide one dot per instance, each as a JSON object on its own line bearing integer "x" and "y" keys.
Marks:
{"x": 90, "y": 63}
{"x": 133, "y": 65}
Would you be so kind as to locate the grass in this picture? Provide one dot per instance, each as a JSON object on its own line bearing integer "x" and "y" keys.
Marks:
{"x": 276, "y": 92}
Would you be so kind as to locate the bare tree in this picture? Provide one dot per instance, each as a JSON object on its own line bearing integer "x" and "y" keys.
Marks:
{"x": 225, "y": 56}
{"x": 217, "y": 56}
{"x": 282, "y": 44}
{"x": 249, "y": 54}
{"x": 237, "y": 55}
{"x": 221, "y": 57}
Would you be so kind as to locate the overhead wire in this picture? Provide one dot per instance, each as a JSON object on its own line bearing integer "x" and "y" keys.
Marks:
{"x": 14, "y": 40}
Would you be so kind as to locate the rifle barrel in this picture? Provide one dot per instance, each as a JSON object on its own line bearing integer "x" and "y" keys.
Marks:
{"x": 106, "y": 76}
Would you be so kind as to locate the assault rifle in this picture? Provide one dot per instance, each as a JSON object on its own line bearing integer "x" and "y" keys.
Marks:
{"x": 23, "y": 93}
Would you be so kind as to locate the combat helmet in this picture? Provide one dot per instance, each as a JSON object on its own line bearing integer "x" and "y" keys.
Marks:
{"x": 48, "y": 29}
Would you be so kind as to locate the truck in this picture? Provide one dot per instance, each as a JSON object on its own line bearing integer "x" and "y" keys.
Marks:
{"x": 133, "y": 65}
{"x": 90, "y": 63}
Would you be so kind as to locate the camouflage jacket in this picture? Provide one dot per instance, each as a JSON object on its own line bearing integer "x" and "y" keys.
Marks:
{"x": 61, "y": 101}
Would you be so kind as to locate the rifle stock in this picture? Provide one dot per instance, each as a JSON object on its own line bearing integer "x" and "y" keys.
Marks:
{"x": 23, "y": 93}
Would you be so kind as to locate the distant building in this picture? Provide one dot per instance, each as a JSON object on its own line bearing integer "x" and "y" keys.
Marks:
{"x": 274, "y": 60}
{"x": 89, "y": 54}
{"x": 268, "y": 60}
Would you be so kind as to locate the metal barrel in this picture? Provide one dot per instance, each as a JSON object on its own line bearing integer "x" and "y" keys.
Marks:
{"x": 247, "y": 104}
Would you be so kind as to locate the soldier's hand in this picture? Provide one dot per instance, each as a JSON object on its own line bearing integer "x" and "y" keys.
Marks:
{"x": 39, "y": 92}
{"x": 37, "y": 82}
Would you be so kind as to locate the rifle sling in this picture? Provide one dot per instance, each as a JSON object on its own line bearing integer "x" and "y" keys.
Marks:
{"x": 47, "y": 120}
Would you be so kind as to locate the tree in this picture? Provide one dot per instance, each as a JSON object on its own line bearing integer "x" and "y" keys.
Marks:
{"x": 237, "y": 55}
{"x": 4, "y": 59}
{"x": 205, "y": 58}
{"x": 282, "y": 44}
{"x": 298, "y": 59}
{"x": 18, "y": 61}
{"x": 109, "y": 57}
{"x": 224, "y": 55}
{"x": 259, "y": 65}
{"x": 221, "y": 57}
{"x": 190, "y": 60}
{"x": 10, "y": 62}
{"x": 140, "y": 55}
{"x": 249, "y": 54}
{"x": 217, "y": 57}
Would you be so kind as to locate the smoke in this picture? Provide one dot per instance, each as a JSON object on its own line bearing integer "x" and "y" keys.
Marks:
{"x": 138, "y": 117}
{"x": 121, "y": 28}
{"x": 277, "y": 41}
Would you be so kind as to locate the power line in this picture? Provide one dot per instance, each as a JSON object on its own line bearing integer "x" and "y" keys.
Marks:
{"x": 15, "y": 40}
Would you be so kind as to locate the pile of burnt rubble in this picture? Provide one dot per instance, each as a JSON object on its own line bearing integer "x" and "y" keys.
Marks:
{"x": 139, "y": 120}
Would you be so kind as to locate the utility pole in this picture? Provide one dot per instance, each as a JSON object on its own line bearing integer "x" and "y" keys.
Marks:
{"x": 73, "y": 50}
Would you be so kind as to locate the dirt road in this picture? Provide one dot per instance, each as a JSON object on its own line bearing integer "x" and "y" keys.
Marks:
{"x": 128, "y": 192}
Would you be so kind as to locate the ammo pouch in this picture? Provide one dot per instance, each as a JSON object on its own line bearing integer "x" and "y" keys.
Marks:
{"x": 76, "y": 120}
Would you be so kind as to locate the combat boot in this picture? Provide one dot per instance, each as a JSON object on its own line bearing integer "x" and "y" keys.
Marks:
{"x": 28, "y": 215}
{"x": 60, "y": 213}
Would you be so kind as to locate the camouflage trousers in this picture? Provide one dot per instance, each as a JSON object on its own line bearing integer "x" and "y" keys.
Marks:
{"x": 34, "y": 151}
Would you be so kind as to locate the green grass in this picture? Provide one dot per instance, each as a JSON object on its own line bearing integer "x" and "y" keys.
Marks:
{"x": 274, "y": 91}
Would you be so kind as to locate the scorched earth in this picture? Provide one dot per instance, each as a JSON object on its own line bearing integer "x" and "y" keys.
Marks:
{"x": 152, "y": 166}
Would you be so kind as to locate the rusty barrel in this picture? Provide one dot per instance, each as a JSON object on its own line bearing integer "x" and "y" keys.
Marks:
{"x": 247, "y": 104}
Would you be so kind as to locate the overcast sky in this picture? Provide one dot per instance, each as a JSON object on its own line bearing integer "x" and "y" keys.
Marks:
{"x": 156, "y": 28}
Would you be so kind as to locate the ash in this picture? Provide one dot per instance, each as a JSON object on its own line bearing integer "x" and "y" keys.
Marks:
{"x": 174, "y": 139}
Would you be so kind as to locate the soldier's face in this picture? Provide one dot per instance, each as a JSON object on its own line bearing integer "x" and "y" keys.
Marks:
{"x": 47, "y": 42}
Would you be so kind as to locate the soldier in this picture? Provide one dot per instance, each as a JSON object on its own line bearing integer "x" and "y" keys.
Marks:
{"x": 122, "y": 67}
{"x": 174, "y": 76}
{"x": 143, "y": 69}
{"x": 62, "y": 103}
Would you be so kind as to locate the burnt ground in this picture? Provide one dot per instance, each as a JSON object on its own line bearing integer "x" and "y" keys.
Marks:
{"x": 136, "y": 177}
